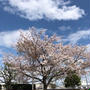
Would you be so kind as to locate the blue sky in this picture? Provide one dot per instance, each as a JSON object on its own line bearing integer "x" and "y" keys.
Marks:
{"x": 69, "y": 19}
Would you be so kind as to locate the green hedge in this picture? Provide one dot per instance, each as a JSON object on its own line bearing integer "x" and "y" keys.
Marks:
{"x": 21, "y": 87}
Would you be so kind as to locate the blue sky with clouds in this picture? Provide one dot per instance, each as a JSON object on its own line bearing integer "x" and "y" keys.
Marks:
{"x": 68, "y": 18}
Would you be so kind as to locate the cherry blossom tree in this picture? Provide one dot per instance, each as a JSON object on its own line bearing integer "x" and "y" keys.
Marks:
{"x": 45, "y": 58}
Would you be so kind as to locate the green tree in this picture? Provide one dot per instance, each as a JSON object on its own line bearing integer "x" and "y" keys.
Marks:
{"x": 72, "y": 79}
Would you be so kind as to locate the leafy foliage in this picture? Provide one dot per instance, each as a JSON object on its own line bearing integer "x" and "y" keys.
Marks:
{"x": 72, "y": 80}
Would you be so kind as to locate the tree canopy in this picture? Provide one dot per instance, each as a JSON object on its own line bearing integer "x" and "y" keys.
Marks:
{"x": 44, "y": 58}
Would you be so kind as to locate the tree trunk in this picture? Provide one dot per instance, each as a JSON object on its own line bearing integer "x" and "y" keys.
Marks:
{"x": 44, "y": 83}
{"x": 44, "y": 87}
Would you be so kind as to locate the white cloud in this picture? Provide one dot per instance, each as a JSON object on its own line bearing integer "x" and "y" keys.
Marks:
{"x": 64, "y": 28}
{"x": 75, "y": 37}
{"x": 40, "y": 9}
{"x": 7, "y": 39}
{"x": 6, "y": 8}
